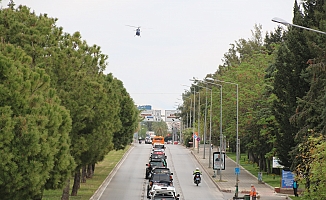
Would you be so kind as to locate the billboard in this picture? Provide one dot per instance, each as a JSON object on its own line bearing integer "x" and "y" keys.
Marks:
{"x": 218, "y": 161}
{"x": 171, "y": 116}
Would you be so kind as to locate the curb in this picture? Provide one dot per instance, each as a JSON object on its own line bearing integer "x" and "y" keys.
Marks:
{"x": 98, "y": 193}
{"x": 221, "y": 190}
{"x": 271, "y": 187}
{"x": 230, "y": 191}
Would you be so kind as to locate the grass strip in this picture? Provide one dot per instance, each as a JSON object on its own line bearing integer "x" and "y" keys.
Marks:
{"x": 86, "y": 190}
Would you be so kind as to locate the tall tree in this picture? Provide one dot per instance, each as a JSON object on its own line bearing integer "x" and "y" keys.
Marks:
{"x": 34, "y": 128}
{"x": 288, "y": 85}
{"x": 128, "y": 116}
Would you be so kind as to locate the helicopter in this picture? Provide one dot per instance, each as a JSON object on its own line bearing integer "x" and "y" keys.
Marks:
{"x": 137, "y": 30}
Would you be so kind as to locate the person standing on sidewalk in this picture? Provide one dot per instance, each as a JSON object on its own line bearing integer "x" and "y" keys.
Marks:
{"x": 253, "y": 192}
{"x": 295, "y": 187}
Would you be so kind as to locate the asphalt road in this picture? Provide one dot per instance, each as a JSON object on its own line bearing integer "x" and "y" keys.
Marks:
{"x": 128, "y": 181}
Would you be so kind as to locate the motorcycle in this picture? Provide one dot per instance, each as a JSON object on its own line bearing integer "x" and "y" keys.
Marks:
{"x": 197, "y": 178}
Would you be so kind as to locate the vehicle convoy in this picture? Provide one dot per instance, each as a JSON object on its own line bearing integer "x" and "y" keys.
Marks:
{"x": 160, "y": 179}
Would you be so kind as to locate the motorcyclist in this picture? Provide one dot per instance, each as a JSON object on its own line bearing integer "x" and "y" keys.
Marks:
{"x": 195, "y": 172}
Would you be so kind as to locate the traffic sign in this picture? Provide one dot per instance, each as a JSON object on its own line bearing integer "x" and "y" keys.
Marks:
{"x": 237, "y": 170}
{"x": 198, "y": 139}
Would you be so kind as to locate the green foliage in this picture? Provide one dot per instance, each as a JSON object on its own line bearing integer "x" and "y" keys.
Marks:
{"x": 160, "y": 128}
{"x": 34, "y": 130}
{"x": 315, "y": 161}
{"x": 98, "y": 105}
{"x": 291, "y": 61}
{"x": 128, "y": 117}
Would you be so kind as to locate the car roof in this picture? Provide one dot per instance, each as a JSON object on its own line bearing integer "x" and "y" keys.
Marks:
{"x": 156, "y": 164}
{"x": 161, "y": 170}
{"x": 156, "y": 159}
{"x": 160, "y": 177}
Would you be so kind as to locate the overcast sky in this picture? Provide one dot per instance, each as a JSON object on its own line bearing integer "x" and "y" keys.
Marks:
{"x": 180, "y": 39}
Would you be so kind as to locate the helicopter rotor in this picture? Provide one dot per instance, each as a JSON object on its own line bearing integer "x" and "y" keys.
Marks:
{"x": 134, "y": 26}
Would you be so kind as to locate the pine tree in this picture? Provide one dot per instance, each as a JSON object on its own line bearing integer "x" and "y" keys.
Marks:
{"x": 288, "y": 85}
{"x": 34, "y": 129}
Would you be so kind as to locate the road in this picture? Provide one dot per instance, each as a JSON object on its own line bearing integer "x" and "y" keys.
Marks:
{"x": 128, "y": 181}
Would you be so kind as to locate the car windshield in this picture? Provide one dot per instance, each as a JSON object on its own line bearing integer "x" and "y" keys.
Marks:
{"x": 160, "y": 178}
{"x": 155, "y": 163}
{"x": 159, "y": 146}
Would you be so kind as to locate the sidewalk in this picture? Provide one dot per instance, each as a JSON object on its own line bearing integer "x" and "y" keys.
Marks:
{"x": 228, "y": 177}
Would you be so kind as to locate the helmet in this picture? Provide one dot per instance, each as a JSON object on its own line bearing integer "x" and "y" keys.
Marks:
{"x": 197, "y": 168}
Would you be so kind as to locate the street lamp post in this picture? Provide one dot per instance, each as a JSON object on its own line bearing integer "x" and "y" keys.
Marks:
{"x": 189, "y": 116}
{"x": 237, "y": 134}
{"x": 205, "y": 125}
{"x": 221, "y": 123}
{"x": 282, "y": 21}
{"x": 210, "y": 133}
{"x": 198, "y": 141}
{"x": 193, "y": 127}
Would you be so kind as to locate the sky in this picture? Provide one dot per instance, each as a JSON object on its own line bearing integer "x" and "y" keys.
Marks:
{"x": 180, "y": 39}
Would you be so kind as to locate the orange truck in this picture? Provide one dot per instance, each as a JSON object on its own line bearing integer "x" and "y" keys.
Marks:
{"x": 158, "y": 139}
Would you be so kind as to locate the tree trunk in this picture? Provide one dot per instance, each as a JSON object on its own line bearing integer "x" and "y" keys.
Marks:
{"x": 265, "y": 164}
{"x": 93, "y": 168}
{"x": 83, "y": 178}
{"x": 269, "y": 170}
{"x": 90, "y": 172}
{"x": 65, "y": 192}
{"x": 76, "y": 185}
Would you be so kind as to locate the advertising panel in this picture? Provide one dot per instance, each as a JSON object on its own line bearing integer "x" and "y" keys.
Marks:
{"x": 218, "y": 161}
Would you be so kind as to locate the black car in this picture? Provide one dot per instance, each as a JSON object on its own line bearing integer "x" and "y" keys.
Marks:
{"x": 154, "y": 163}
{"x": 162, "y": 179}
{"x": 161, "y": 170}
